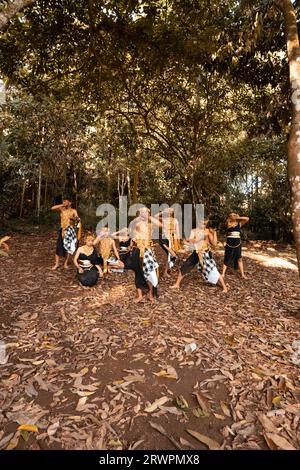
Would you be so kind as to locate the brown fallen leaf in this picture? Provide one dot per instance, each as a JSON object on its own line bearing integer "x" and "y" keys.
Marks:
{"x": 227, "y": 373}
{"x": 160, "y": 429}
{"x": 210, "y": 443}
{"x": 203, "y": 402}
{"x": 171, "y": 409}
{"x": 267, "y": 424}
{"x": 14, "y": 442}
{"x": 136, "y": 444}
{"x": 169, "y": 373}
{"x": 153, "y": 406}
{"x": 221, "y": 417}
{"x": 280, "y": 442}
{"x": 83, "y": 394}
{"x": 269, "y": 398}
{"x": 52, "y": 429}
{"x": 5, "y": 440}
{"x": 225, "y": 409}
{"x": 81, "y": 404}
{"x": 186, "y": 443}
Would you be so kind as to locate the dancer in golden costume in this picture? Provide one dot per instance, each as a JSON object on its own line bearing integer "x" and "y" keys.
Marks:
{"x": 170, "y": 240}
{"x": 201, "y": 240}
{"x": 142, "y": 231}
{"x": 68, "y": 218}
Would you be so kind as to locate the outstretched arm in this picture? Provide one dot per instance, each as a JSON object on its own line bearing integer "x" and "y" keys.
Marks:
{"x": 155, "y": 221}
{"x": 117, "y": 235}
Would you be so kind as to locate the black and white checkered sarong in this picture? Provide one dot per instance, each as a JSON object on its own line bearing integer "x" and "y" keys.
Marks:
{"x": 208, "y": 265}
{"x": 70, "y": 240}
{"x": 149, "y": 267}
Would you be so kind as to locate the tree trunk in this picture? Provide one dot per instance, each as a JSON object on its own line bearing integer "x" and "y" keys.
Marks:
{"x": 46, "y": 193}
{"x": 293, "y": 49}
{"x": 121, "y": 184}
{"x": 75, "y": 189}
{"x": 128, "y": 186}
{"x": 38, "y": 201}
{"x": 136, "y": 175}
{"x": 22, "y": 198}
{"x": 12, "y": 9}
{"x": 33, "y": 196}
{"x": 109, "y": 176}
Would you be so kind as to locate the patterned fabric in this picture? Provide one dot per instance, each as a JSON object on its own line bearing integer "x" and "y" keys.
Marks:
{"x": 70, "y": 240}
{"x": 149, "y": 267}
{"x": 170, "y": 234}
{"x": 208, "y": 265}
{"x": 105, "y": 247}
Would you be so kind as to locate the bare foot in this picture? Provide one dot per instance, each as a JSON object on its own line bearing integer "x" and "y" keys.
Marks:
{"x": 166, "y": 274}
{"x": 175, "y": 286}
{"x": 151, "y": 298}
{"x": 138, "y": 299}
{"x": 55, "y": 267}
{"x": 66, "y": 267}
{"x": 225, "y": 290}
{"x": 243, "y": 276}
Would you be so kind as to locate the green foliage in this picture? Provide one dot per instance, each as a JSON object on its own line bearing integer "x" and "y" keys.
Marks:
{"x": 198, "y": 87}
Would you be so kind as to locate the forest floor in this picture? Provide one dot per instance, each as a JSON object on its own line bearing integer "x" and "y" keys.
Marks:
{"x": 89, "y": 369}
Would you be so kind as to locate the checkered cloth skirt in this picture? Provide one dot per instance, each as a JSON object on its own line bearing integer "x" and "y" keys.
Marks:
{"x": 70, "y": 240}
{"x": 150, "y": 266}
{"x": 209, "y": 265}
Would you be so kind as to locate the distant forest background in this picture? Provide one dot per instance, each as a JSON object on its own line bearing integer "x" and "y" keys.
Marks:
{"x": 161, "y": 101}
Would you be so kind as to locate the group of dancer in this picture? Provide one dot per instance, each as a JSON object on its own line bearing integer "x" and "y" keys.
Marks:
{"x": 99, "y": 254}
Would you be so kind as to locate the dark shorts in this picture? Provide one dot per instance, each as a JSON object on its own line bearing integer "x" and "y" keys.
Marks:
{"x": 233, "y": 253}
{"x": 190, "y": 263}
{"x": 163, "y": 243}
{"x": 60, "y": 251}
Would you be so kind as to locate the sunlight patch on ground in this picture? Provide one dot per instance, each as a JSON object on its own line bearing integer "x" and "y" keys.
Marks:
{"x": 271, "y": 262}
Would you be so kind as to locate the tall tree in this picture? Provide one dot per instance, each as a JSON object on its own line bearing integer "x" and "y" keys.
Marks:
{"x": 293, "y": 49}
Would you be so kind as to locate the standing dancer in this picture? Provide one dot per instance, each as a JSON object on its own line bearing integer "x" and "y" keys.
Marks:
{"x": 201, "y": 239}
{"x": 233, "y": 247}
{"x": 170, "y": 238}
{"x": 130, "y": 259}
{"x": 68, "y": 216}
{"x": 142, "y": 228}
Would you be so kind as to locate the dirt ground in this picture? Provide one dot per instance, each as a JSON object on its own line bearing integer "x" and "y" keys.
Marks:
{"x": 89, "y": 369}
